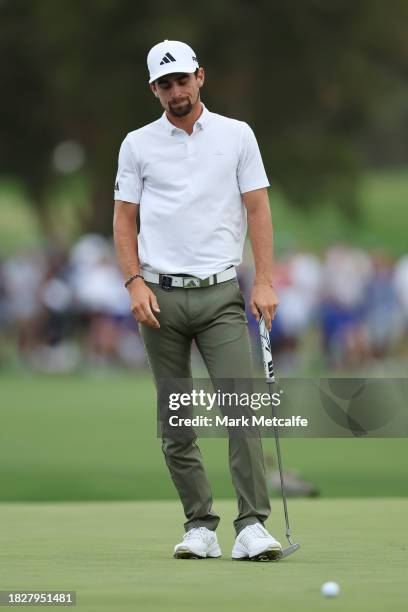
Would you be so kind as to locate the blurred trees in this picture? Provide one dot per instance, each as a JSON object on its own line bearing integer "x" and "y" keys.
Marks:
{"x": 324, "y": 84}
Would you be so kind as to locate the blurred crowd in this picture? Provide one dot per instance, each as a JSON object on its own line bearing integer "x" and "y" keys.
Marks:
{"x": 65, "y": 309}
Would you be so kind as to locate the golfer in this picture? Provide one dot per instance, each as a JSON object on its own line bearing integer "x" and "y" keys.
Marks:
{"x": 198, "y": 181}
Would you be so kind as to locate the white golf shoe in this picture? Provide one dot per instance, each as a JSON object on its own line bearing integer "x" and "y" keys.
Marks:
{"x": 198, "y": 543}
{"x": 256, "y": 544}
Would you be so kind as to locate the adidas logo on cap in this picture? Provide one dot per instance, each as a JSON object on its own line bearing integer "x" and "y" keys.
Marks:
{"x": 167, "y": 59}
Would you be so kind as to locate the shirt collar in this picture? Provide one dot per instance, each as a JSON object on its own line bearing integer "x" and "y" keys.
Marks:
{"x": 201, "y": 122}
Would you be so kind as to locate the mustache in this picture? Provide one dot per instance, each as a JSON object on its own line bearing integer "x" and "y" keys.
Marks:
{"x": 178, "y": 100}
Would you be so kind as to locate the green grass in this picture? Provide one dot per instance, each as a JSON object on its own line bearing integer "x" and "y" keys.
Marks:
{"x": 20, "y": 228}
{"x": 384, "y": 211}
{"x": 117, "y": 556}
{"x": 94, "y": 438}
{"x": 381, "y": 224}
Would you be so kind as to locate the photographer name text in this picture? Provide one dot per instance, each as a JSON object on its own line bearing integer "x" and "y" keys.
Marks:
{"x": 242, "y": 421}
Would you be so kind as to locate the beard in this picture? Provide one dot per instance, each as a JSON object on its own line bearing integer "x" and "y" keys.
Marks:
{"x": 180, "y": 108}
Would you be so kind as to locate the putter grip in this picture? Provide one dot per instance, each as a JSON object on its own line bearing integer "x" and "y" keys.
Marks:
{"x": 266, "y": 350}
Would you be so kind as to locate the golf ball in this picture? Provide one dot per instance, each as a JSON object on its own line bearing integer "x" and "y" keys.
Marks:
{"x": 330, "y": 589}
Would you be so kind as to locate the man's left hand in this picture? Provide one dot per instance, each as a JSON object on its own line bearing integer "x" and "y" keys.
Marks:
{"x": 264, "y": 300}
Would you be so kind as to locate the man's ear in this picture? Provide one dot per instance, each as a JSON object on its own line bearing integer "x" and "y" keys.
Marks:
{"x": 200, "y": 77}
{"x": 153, "y": 89}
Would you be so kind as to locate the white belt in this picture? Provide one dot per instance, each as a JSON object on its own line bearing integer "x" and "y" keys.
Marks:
{"x": 168, "y": 281}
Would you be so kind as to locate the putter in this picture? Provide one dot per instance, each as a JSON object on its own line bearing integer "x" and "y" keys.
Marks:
{"x": 270, "y": 380}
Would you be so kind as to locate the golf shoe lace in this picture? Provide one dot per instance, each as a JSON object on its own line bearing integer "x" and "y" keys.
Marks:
{"x": 254, "y": 531}
{"x": 196, "y": 532}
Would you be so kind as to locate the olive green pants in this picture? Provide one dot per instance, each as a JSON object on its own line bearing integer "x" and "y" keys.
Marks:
{"x": 215, "y": 318}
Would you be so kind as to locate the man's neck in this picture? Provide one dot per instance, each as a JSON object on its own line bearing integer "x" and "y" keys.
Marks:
{"x": 187, "y": 122}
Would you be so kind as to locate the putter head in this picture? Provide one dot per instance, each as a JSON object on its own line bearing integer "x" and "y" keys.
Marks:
{"x": 290, "y": 550}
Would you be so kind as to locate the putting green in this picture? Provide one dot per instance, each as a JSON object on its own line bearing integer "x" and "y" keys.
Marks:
{"x": 117, "y": 557}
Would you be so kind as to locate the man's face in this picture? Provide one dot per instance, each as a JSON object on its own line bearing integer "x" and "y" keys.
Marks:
{"x": 178, "y": 92}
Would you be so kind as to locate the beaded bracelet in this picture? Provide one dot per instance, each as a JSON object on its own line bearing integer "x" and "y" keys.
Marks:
{"x": 132, "y": 278}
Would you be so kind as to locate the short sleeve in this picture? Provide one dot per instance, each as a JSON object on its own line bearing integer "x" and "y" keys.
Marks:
{"x": 128, "y": 184}
{"x": 250, "y": 172}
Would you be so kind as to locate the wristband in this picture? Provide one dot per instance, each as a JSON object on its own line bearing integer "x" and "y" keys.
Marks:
{"x": 132, "y": 278}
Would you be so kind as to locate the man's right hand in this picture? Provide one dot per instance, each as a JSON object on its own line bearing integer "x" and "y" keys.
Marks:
{"x": 143, "y": 303}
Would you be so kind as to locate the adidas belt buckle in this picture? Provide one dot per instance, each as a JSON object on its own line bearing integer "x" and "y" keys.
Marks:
{"x": 191, "y": 283}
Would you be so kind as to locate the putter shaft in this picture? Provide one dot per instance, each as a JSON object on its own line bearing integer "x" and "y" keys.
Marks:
{"x": 270, "y": 380}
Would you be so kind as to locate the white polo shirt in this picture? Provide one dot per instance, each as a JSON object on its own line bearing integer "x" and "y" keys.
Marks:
{"x": 192, "y": 218}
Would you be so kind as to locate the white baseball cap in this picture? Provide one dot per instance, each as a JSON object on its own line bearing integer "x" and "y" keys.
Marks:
{"x": 170, "y": 56}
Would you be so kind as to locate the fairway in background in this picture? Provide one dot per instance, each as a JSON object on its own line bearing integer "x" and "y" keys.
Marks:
{"x": 381, "y": 193}
{"x": 94, "y": 438}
